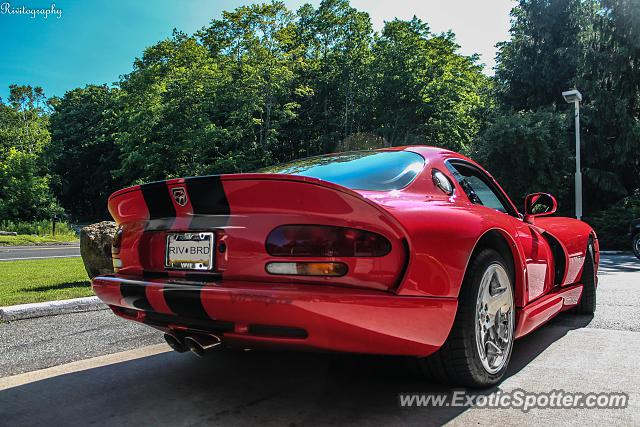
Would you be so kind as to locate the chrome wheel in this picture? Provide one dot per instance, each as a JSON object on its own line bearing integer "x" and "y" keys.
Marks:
{"x": 636, "y": 245}
{"x": 495, "y": 316}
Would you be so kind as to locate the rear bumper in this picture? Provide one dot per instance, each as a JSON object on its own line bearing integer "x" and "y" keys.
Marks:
{"x": 252, "y": 315}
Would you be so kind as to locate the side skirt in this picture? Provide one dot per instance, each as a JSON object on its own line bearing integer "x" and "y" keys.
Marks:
{"x": 545, "y": 308}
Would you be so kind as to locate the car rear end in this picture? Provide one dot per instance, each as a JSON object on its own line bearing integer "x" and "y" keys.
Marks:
{"x": 267, "y": 260}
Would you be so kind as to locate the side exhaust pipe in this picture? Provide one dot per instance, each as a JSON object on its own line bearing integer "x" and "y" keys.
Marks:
{"x": 201, "y": 345}
{"x": 175, "y": 343}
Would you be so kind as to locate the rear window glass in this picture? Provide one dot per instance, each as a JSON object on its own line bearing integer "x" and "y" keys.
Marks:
{"x": 358, "y": 170}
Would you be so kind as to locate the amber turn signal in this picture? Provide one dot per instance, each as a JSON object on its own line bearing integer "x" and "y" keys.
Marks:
{"x": 307, "y": 268}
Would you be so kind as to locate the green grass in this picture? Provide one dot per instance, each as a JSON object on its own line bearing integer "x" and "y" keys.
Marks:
{"x": 27, "y": 239}
{"x": 42, "y": 280}
{"x": 36, "y": 233}
{"x": 39, "y": 228}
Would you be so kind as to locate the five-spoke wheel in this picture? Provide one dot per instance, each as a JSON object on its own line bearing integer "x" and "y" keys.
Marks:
{"x": 494, "y": 318}
{"x": 478, "y": 349}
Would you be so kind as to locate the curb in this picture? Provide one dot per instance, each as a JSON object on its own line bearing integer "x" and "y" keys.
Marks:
{"x": 616, "y": 252}
{"x": 50, "y": 308}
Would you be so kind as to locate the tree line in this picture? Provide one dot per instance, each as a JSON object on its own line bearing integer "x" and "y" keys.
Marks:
{"x": 264, "y": 84}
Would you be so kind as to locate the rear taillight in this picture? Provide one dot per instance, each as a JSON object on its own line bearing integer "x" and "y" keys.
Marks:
{"x": 115, "y": 250}
{"x": 325, "y": 241}
{"x": 117, "y": 241}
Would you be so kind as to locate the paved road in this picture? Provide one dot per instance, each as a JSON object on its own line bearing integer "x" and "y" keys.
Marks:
{"x": 8, "y": 253}
{"x": 148, "y": 386}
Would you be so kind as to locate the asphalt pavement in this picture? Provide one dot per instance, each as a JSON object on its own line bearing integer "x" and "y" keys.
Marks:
{"x": 12, "y": 253}
{"x": 62, "y": 370}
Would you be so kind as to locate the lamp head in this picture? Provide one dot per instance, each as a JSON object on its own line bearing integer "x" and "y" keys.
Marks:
{"x": 572, "y": 95}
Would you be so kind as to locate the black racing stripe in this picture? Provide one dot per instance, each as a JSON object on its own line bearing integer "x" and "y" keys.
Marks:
{"x": 185, "y": 302}
{"x": 135, "y": 296}
{"x": 203, "y": 277}
{"x": 161, "y": 319}
{"x": 155, "y": 274}
{"x": 161, "y": 210}
{"x": 208, "y": 201}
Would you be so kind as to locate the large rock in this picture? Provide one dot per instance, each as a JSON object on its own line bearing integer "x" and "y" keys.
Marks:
{"x": 95, "y": 248}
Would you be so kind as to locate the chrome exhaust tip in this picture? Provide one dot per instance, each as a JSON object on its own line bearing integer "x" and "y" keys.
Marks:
{"x": 175, "y": 343}
{"x": 201, "y": 345}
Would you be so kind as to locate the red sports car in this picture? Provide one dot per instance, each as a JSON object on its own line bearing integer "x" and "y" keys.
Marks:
{"x": 413, "y": 251}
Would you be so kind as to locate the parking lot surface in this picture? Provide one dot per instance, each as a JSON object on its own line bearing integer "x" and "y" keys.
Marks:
{"x": 62, "y": 370}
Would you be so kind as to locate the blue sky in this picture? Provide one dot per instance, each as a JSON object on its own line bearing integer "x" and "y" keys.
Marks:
{"x": 97, "y": 41}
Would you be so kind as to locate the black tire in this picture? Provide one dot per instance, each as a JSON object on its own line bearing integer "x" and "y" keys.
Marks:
{"x": 635, "y": 244}
{"x": 587, "y": 303}
{"x": 458, "y": 361}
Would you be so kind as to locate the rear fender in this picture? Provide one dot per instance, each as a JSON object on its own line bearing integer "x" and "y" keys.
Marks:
{"x": 500, "y": 240}
{"x": 444, "y": 237}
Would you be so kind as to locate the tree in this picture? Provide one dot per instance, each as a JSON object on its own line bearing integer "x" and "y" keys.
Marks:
{"x": 83, "y": 151}
{"x": 256, "y": 47}
{"x": 541, "y": 58}
{"x": 215, "y": 102}
{"x": 335, "y": 89}
{"x": 27, "y": 120}
{"x": 592, "y": 45}
{"x": 24, "y": 137}
{"x": 609, "y": 76}
{"x": 426, "y": 92}
{"x": 24, "y": 191}
{"x": 528, "y": 152}
{"x": 170, "y": 122}
{"x": 260, "y": 85}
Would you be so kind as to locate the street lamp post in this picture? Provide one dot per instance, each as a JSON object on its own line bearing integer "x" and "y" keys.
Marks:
{"x": 574, "y": 96}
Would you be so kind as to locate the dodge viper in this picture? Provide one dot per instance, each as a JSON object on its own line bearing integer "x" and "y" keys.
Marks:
{"x": 413, "y": 251}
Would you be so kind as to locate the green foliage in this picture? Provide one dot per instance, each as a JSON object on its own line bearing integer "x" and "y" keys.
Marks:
{"x": 24, "y": 137}
{"x": 541, "y": 58}
{"x": 528, "y": 152}
{"x": 264, "y": 85}
{"x": 169, "y": 124}
{"x": 426, "y": 92}
{"x": 24, "y": 193}
{"x": 612, "y": 224}
{"x": 336, "y": 80}
{"x": 554, "y": 46}
{"x": 609, "y": 76}
{"x": 83, "y": 152}
{"x": 592, "y": 45}
{"x": 38, "y": 228}
{"x": 258, "y": 86}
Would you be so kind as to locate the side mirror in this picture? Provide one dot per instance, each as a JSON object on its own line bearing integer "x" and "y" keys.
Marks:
{"x": 539, "y": 204}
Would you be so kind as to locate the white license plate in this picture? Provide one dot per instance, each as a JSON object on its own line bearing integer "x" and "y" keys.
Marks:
{"x": 189, "y": 251}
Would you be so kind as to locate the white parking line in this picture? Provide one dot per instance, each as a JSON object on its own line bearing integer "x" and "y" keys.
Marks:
{"x": 40, "y": 257}
{"x": 81, "y": 365}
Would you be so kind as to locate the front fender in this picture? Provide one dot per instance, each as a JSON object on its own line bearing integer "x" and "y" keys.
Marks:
{"x": 574, "y": 236}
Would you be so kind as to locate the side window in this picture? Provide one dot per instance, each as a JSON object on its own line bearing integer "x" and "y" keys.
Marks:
{"x": 477, "y": 187}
